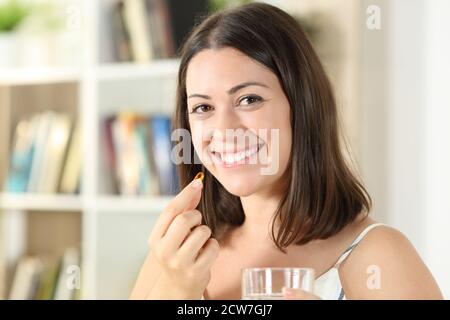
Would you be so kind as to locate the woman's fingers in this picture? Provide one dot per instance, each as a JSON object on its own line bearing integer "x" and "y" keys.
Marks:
{"x": 208, "y": 254}
{"x": 194, "y": 242}
{"x": 179, "y": 229}
{"x": 298, "y": 294}
{"x": 187, "y": 199}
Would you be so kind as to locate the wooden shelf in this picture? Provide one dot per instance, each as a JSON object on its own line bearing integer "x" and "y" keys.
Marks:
{"x": 48, "y": 202}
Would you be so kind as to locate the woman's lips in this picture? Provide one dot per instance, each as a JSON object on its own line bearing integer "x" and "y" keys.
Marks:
{"x": 233, "y": 159}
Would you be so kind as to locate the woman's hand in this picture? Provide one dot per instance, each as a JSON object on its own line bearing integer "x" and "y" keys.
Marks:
{"x": 298, "y": 294}
{"x": 181, "y": 251}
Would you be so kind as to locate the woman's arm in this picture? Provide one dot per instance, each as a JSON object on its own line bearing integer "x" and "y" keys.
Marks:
{"x": 385, "y": 265}
{"x": 147, "y": 278}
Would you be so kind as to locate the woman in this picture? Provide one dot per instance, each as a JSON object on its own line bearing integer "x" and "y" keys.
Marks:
{"x": 281, "y": 197}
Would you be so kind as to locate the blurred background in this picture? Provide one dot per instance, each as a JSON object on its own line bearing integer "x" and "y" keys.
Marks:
{"x": 87, "y": 88}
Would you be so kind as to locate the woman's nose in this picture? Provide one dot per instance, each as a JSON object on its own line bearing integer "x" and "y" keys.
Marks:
{"x": 224, "y": 123}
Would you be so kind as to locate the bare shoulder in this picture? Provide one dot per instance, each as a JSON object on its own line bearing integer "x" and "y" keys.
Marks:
{"x": 385, "y": 265}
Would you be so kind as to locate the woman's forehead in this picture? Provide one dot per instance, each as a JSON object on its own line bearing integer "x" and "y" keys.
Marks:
{"x": 224, "y": 68}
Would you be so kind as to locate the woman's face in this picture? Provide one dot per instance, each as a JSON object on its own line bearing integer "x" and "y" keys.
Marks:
{"x": 240, "y": 120}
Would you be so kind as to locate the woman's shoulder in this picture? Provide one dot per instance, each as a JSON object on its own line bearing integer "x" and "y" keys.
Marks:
{"x": 385, "y": 265}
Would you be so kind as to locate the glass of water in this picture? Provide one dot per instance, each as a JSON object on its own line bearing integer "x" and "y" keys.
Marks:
{"x": 267, "y": 283}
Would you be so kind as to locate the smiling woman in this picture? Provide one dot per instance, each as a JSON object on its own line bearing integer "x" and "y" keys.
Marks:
{"x": 246, "y": 72}
{"x": 240, "y": 72}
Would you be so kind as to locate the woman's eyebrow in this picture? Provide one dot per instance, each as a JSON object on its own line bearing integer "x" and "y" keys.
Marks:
{"x": 232, "y": 90}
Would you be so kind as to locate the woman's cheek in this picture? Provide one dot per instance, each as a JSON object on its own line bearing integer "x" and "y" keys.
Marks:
{"x": 281, "y": 149}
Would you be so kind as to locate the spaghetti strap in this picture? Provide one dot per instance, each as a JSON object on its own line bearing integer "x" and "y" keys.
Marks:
{"x": 347, "y": 252}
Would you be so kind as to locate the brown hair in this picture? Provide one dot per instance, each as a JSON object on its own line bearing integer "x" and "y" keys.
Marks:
{"x": 323, "y": 195}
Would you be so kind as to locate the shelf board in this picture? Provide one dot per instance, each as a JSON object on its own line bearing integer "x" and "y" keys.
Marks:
{"x": 44, "y": 202}
{"x": 113, "y": 71}
{"x": 119, "y": 71}
{"x": 41, "y": 75}
{"x": 58, "y": 202}
{"x": 132, "y": 204}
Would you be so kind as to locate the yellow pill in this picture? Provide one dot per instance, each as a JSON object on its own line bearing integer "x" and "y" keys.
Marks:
{"x": 200, "y": 176}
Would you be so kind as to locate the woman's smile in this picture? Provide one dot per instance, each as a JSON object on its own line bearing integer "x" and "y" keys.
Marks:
{"x": 233, "y": 158}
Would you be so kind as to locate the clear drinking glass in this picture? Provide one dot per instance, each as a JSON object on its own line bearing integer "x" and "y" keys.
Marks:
{"x": 267, "y": 283}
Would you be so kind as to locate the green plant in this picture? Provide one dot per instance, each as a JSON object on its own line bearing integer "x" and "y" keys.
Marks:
{"x": 12, "y": 13}
{"x": 216, "y": 5}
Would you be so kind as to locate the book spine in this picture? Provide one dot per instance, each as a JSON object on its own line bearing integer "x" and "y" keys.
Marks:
{"x": 136, "y": 21}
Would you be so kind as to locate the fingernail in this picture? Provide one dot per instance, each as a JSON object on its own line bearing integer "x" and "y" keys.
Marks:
{"x": 197, "y": 183}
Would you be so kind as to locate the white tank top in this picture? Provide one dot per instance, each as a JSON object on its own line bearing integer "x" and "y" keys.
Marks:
{"x": 328, "y": 286}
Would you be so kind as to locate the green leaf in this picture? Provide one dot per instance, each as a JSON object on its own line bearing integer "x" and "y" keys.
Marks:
{"x": 12, "y": 13}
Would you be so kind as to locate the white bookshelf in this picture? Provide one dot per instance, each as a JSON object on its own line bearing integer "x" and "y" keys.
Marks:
{"x": 120, "y": 71}
{"x": 25, "y": 76}
{"x": 134, "y": 204}
{"x": 114, "y": 228}
{"x": 40, "y": 202}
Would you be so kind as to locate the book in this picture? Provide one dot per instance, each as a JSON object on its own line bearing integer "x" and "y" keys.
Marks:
{"x": 159, "y": 13}
{"x": 69, "y": 276}
{"x": 26, "y": 279}
{"x": 54, "y": 153}
{"x": 121, "y": 37}
{"x": 21, "y": 156}
{"x": 136, "y": 23}
{"x": 138, "y": 153}
{"x": 110, "y": 152}
{"x": 70, "y": 180}
{"x": 40, "y": 160}
{"x": 132, "y": 169}
{"x": 161, "y": 148}
{"x": 47, "y": 279}
{"x": 142, "y": 30}
{"x": 153, "y": 28}
{"x": 146, "y": 181}
{"x": 43, "y": 124}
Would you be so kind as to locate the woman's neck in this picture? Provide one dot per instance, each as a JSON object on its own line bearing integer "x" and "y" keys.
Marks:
{"x": 259, "y": 211}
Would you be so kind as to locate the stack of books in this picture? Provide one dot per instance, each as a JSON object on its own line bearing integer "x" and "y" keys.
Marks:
{"x": 45, "y": 156}
{"x": 142, "y": 30}
{"x": 47, "y": 278}
{"x": 138, "y": 150}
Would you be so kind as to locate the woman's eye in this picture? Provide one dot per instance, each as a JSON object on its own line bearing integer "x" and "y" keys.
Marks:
{"x": 201, "y": 109}
{"x": 247, "y": 100}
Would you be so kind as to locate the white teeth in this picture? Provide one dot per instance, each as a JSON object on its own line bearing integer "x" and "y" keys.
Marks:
{"x": 251, "y": 152}
{"x": 231, "y": 158}
{"x": 239, "y": 156}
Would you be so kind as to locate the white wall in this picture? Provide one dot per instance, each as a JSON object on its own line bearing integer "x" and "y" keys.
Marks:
{"x": 406, "y": 125}
{"x": 437, "y": 125}
{"x": 406, "y": 114}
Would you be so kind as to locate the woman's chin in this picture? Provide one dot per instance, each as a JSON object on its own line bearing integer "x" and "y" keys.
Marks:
{"x": 240, "y": 187}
